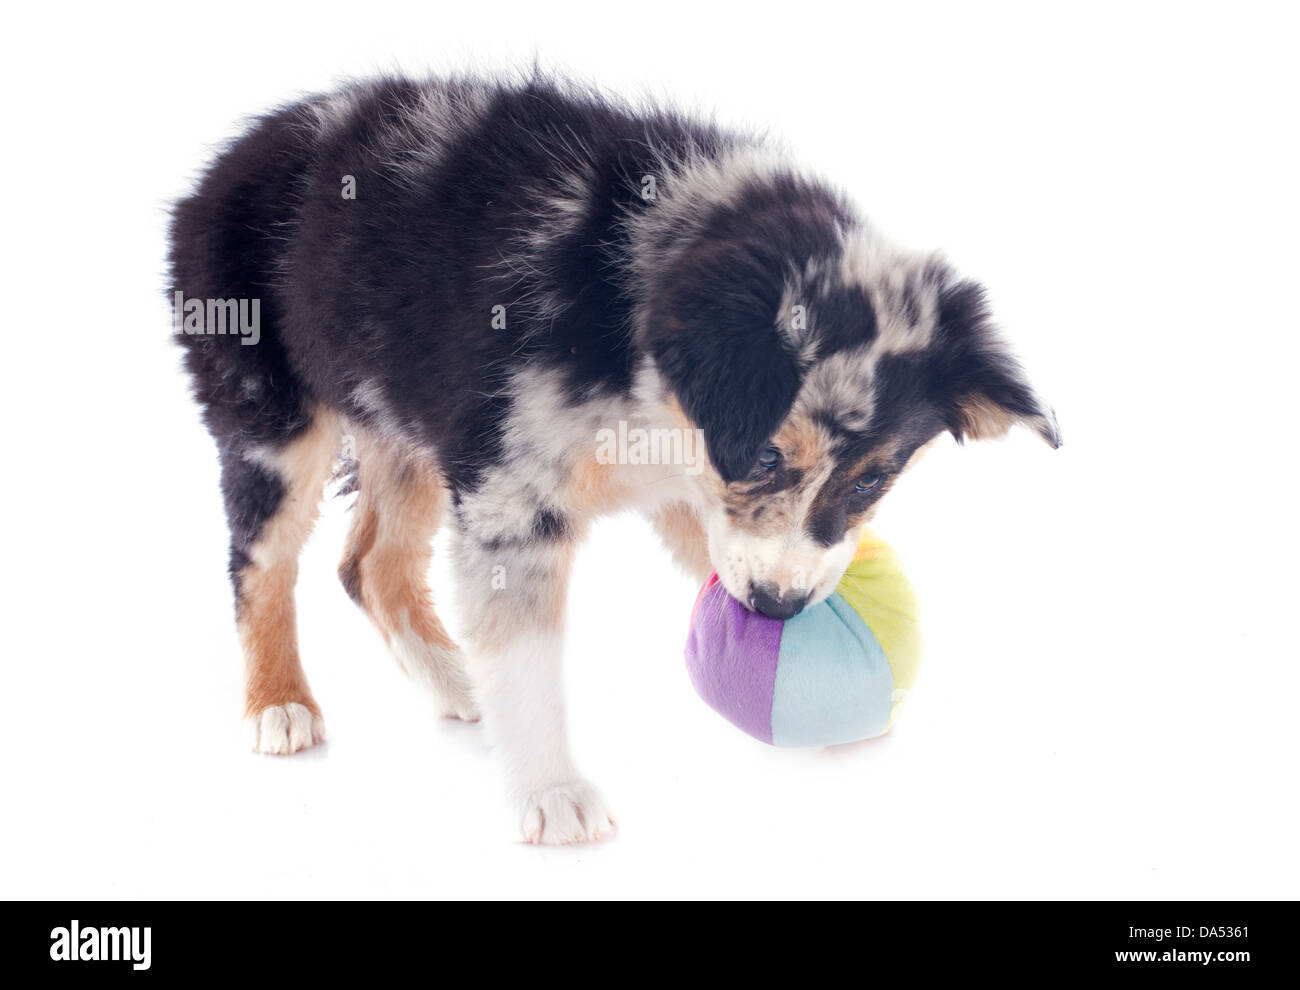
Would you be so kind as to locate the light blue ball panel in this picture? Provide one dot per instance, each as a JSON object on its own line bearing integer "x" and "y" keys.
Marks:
{"x": 832, "y": 679}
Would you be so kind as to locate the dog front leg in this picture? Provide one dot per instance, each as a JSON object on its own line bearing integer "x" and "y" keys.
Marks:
{"x": 513, "y": 593}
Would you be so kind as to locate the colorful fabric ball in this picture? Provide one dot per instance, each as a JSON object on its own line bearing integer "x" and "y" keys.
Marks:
{"x": 834, "y": 673}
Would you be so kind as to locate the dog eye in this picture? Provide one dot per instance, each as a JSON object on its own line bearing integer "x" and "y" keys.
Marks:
{"x": 865, "y": 485}
{"x": 769, "y": 459}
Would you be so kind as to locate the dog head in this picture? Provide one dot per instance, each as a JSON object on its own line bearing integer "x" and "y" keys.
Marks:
{"x": 817, "y": 359}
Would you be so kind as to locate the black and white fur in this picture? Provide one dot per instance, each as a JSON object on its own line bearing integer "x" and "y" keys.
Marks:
{"x": 650, "y": 269}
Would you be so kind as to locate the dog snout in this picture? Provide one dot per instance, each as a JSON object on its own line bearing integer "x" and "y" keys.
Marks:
{"x": 769, "y": 600}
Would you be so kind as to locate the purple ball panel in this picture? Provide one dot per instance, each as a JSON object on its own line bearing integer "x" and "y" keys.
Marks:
{"x": 731, "y": 655}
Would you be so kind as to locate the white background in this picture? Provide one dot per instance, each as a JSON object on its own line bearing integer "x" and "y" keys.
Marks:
{"x": 1107, "y": 704}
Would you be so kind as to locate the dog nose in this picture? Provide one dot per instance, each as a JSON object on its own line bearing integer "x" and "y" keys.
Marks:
{"x": 768, "y": 600}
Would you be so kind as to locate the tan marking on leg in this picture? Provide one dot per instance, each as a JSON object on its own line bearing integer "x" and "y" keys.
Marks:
{"x": 680, "y": 529}
{"x": 264, "y": 601}
{"x": 269, "y": 634}
{"x": 593, "y": 488}
{"x": 385, "y": 566}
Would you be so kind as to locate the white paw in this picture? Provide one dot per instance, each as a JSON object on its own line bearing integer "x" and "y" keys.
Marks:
{"x": 284, "y": 729}
{"x": 457, "y": 702}
{"x": 569, "y": 813}
{"x": 442, "y": 670}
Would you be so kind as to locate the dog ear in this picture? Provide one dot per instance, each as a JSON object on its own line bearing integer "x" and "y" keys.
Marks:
{"x": 714, "y": 337}
{"x": 982, "y": 388}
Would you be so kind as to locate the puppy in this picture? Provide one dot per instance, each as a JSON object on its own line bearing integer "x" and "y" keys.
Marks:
{"x": 469, "y": 283}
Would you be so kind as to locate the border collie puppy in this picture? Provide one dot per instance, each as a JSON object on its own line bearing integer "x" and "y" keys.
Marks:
{"x": 468, "y": 284}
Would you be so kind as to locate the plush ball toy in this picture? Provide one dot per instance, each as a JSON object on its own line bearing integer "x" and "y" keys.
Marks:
{"x": 834, "y": 673}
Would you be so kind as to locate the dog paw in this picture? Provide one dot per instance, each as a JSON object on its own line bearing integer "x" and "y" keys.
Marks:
{"x": 566, "y": 814}
{"x": 452, "y": 687}
{"x": 463, "y": 709}
{"x": 443, "y": 672}
{"x": 457, "y": 701}
{"x": 283, "y": 729}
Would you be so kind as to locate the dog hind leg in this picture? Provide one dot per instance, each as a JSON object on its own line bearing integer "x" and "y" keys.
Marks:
{"x": 272, "y": 493}
{"x": 399, "y": 508}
